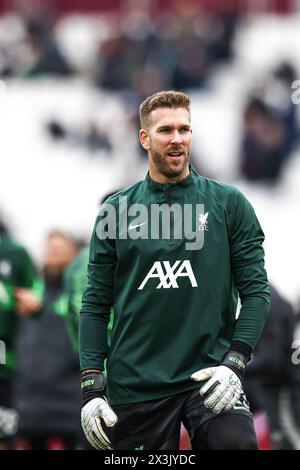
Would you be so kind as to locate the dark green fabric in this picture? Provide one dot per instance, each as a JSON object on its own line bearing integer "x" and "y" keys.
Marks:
{"x": 69, "y": 303}
{"x": 162, "y": 335}
{"x": 16, "y": 270}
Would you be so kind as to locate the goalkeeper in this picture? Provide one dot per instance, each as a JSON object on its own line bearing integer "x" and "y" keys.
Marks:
{"x": 178, "y": 353}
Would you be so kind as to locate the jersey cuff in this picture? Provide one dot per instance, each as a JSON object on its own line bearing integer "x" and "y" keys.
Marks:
{"x": 242, "y": 348}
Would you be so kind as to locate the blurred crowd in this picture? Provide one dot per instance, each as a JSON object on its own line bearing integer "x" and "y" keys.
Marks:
{"x": 138, "y": 52}
{"x": 271, "y": 130}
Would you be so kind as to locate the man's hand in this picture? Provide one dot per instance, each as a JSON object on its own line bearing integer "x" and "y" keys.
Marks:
{"x": 92, "y": 414}
{"x": 95, "y": 410}
{"x": 27, "y": 302}
{"x": 223, "y": 390}
{"x": 223, "y": 387}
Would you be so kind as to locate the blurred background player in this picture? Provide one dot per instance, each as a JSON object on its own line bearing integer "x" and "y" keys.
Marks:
{"x": 21, "y": 291}
{"x": 46, "y": 399}
{"x": 69, "y": 303}
{"x": 272, "y": 381}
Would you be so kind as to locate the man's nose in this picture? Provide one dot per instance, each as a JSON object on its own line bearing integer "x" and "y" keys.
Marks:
{"x": 176, "y": 138}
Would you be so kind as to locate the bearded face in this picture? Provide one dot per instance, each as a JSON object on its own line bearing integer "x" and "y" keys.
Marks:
{"x": 168, "y": 142}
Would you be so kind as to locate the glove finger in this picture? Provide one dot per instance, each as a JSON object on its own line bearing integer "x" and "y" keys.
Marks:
{"x": 214, "y": 396}
{"x": 90, "y": 440}
{"x": 223, "y": 401}
{"x": 93, "y": 440}
{"x": 213, "y": 386}
{"x": 85, "y": 422}
{"x": 90, "y": 434}
{"x": 234, "y": 400}
{"x": 239, "y": 389}
{"x": 101, "y": 435}
{"x": 231, "y": 402}
{"x": 203, "y": 374}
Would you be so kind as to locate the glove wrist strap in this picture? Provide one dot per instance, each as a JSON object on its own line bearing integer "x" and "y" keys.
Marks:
{"x": 92, "y": 386}
{"x": 235, "y": 361}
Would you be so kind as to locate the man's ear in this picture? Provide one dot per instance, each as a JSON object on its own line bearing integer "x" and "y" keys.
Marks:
{"x": 144, "y": 139}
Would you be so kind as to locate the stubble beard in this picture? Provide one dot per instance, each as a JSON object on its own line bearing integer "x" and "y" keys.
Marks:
{"x": 163, "y": 167}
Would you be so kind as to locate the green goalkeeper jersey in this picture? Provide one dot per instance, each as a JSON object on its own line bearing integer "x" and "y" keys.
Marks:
{"x": 175, "y": 306}
{"x": 16, "y": 270}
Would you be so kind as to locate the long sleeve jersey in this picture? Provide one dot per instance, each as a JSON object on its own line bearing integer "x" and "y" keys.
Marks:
{"x": 174, "y": 302}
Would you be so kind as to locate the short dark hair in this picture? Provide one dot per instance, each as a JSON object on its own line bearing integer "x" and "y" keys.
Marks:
{"x": 163, "y": 99}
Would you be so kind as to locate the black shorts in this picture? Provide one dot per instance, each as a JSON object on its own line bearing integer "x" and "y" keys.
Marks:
{"x": 155, "y": 424}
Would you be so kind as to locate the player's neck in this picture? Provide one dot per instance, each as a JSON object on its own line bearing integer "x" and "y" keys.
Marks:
{"x": 163, "y": 179}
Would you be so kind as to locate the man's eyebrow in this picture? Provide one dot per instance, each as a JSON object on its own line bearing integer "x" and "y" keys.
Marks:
{"x": 168, "y": 126}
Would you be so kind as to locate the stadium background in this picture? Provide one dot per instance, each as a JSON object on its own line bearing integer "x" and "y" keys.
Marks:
{"x": 73, "y": 73}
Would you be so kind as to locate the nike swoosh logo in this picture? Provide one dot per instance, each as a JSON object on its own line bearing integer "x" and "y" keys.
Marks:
{"x": 131, "y": 227}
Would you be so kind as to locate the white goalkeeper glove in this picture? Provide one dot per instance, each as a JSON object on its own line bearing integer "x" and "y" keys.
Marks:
{"x": 96, "y": 411}
{"x": 223, "y": 387}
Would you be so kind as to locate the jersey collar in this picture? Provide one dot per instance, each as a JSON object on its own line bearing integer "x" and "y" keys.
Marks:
{"x": 187, "y": 181}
